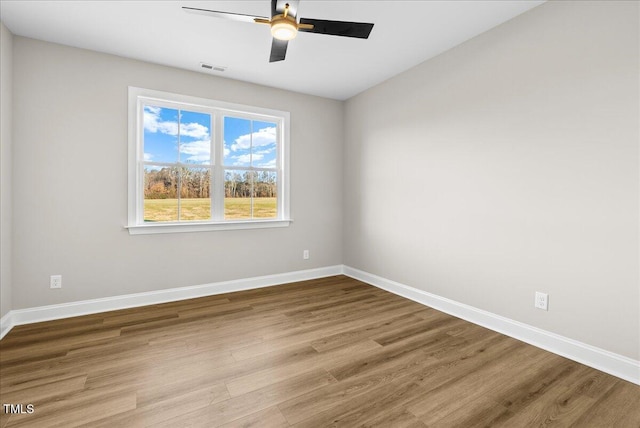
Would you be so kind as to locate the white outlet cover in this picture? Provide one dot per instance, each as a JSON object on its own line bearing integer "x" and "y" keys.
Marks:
{"x": 55, "y": 281}
{"x": 542, "y": 301}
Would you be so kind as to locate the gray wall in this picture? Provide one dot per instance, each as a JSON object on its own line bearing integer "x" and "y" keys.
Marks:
{"x": 6, "y": 75}
{"x": 507, "y": 165}
{"x": 70, "y": 182}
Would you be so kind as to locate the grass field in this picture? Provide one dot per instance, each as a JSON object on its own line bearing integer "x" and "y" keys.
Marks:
{"x": 199, "y": 209}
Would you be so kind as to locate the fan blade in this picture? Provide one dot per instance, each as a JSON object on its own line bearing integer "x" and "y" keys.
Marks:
{"x": 360, "y": 30}
{"x": 278, "y": 50}
{"x": 224, "y": 15}
{"x": 277, "y": 7}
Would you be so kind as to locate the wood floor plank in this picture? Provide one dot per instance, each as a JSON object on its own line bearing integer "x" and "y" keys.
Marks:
{"x": 187, "y": 378}
{"x": 233, "y": 313}
{"x": 155, "y": 370}
{"x": 76, "y": 409}
{"x": 593, "y": 383}
{"x": 238, "y": 407}
{"x": 277, "y": 372}
{"x": 33, "y": 372}
{"x": 59, "y": 344}
{"x": 398, "y": 417}
{"x": 497, "y": 406}
{"x": 417, "y": 349}
{"x": 71, "y": 323}
{"x": 251, "y": 325}
{"x": 4, "y": 419}
{"x": 366, "y": 331}
{"x": 271, "y": 417}
{"x": 16, "y": 383}
{"x": 438, "y": 404}
{"x": 34, "y": 336}
{"x": 563, "y": 410}
{"x": 316, "y": 329}
{"x": 409, "y": 333}
{"x": 356, "y": 411}
{"x": 618, "y": 407}
{"x": 327, "y": 352}
{"x": 525, "y": 401}
{"x": 171, "y": 407}
{"x": 376, "y": 379}
{"x": 46, "y": 391}
{"x": 335, "y": 304}
{"x": 450, "y": 367}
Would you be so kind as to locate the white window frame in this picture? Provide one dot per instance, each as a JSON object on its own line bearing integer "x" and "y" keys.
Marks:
{"x": 138, "y": 97}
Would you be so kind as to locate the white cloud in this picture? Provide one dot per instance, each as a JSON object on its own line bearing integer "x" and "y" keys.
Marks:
{"x": 199, "y": 150}
{"x": 147, "y": 157}
{"x": 196, "y": 147}
{"x": 154, "y": 123}
{"x": 243, "y": 159}
{"x": 194, "y": 130}
{"x": 266, "y": 151}
{"x": 262, "y": 137}
{"x": 269, "y": 164}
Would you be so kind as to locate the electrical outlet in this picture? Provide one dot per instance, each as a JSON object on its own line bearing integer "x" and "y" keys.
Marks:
{"x": 55, "y": 281}
{"x": 542, "y": 301}
{"x": 305, "y": 254}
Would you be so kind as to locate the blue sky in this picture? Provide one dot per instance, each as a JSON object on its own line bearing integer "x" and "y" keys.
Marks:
{"x": 246, "y": 142}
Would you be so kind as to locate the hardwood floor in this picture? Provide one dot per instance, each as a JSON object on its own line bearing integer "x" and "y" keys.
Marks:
{"x": 328, "y": 352}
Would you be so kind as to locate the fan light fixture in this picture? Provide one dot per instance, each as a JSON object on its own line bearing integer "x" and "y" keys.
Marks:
{"x": 283, "y": 28}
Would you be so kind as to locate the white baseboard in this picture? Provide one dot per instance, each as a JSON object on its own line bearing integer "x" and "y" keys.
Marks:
{"x": 5, "y": 324}
{"x": 600, "y": 359}
{"x": 608, "y": 362}
{"x": 86, "y": 307}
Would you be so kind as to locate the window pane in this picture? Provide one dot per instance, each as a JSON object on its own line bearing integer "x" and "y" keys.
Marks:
{"x": 237, "y": 194}
{"x": 195, "y": 200}
{"x": 195, "y": 137}
{"x": 265, "y": 190}
{"x": 237, "y": 141}
{"x": 160, "y": 140}
{"x": 160, "y": 194}
{"x": 263, "y": 145}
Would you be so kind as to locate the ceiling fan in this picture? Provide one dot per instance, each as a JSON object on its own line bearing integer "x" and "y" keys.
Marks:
{"x": 285, "y": 26}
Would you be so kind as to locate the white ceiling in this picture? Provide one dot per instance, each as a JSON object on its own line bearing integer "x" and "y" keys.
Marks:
{"x": 405, "y": 34}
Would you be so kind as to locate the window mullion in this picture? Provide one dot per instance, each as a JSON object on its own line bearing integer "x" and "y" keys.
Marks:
{"x": 179, "y": 168}
{"x": 140, "y": 165}
{"x": 217, "y": 191}
{"x": 251, "y": 188}
{"x": 282, "y": 161}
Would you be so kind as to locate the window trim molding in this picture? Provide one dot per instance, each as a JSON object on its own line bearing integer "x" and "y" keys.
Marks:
{"x": 134, "y": 200}
{"x": 145, "y": 229}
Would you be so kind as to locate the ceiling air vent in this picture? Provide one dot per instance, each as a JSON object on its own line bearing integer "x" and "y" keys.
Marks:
{"x": 210, "y": 67}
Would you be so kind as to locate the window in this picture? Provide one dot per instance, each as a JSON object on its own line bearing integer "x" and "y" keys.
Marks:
{"x": 198, "y": 164}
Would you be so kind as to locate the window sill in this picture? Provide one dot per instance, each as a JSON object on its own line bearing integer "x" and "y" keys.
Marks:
{"x": 152, "y": 228}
